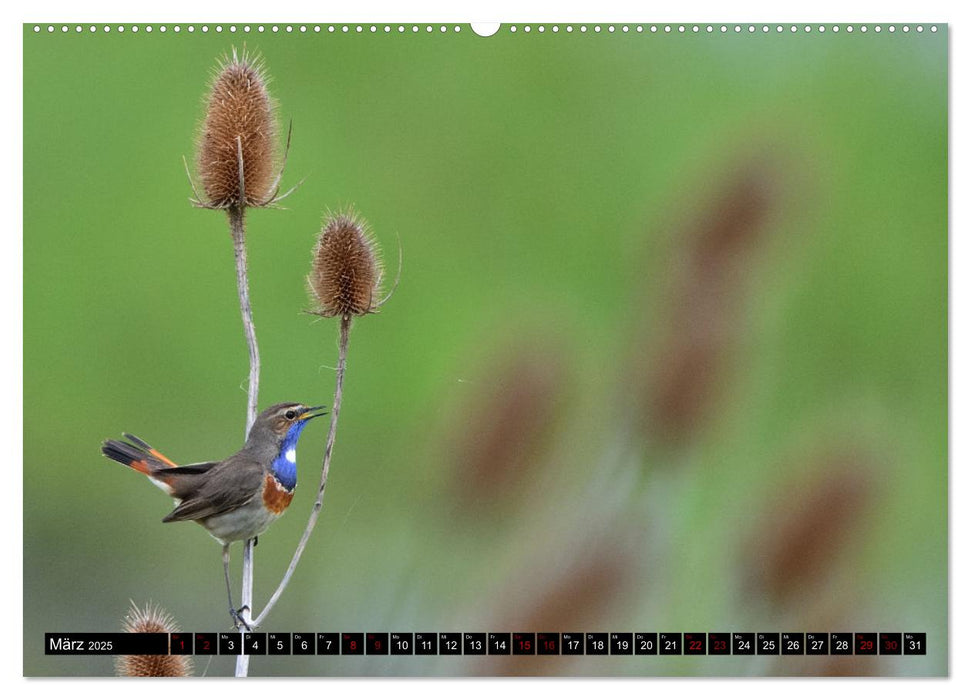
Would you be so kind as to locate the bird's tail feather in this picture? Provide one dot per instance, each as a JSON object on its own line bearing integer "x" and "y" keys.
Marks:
{"x": 140, "y": 456}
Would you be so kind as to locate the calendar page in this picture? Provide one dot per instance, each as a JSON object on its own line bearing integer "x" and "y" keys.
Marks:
{"x": 534, "y": 349}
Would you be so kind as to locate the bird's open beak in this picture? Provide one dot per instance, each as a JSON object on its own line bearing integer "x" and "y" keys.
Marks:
{"x": 313, "y": 412}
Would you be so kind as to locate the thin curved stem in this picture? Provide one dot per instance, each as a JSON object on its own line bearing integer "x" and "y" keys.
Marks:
{"x": 345, "y": 330}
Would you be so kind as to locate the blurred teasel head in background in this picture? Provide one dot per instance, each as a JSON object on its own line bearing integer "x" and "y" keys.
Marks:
{"x": 682, "y": 379}
{"x": 809, "y": 526}
{"x": 582, "y": 587}
{"x": 500, "y": 438}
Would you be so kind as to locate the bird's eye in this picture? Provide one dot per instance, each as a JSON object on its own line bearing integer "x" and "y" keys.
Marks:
{"x": 290, "y": 415}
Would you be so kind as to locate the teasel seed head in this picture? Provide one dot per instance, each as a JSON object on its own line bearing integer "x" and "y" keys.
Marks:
{"x": 346, "y": 274}
{"x": 151, "y": 618}
{"x": 239, "y": 128}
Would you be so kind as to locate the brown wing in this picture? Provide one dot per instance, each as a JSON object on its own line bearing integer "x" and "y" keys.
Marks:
{"x": 226, "y": 486}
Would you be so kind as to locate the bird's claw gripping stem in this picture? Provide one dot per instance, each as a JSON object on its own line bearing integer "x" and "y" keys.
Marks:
{"x": 240, "y": 619}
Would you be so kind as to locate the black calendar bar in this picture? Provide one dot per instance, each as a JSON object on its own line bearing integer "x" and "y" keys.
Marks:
{"x": 626, "y": 644}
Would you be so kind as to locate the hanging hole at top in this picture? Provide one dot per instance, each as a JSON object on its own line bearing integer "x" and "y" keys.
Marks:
{"x": 485, "y": 28}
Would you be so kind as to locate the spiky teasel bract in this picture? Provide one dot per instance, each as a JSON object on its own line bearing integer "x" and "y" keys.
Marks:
{"x": 238, "y": 134}
{"x": 346, "y": 274}
{"x": 151, "y": 618}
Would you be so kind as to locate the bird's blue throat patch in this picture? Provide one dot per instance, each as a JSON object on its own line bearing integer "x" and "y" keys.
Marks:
{"x": 285, "y": 464}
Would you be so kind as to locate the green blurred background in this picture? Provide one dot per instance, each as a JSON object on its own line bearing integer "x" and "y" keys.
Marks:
{"x": 668, "y": 352}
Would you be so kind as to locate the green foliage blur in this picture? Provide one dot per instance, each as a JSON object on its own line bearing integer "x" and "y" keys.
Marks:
{"x": 669, "y": 350}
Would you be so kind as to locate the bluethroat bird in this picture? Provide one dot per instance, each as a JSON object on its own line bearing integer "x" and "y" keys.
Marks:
{"x": 237, "y": 498}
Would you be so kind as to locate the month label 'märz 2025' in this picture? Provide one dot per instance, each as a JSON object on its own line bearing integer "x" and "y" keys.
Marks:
{"x": 95, "y": 644}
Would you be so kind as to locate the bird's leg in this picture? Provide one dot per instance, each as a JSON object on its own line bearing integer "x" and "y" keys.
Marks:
{"x": 229, "y": 586}
{"x": 237, "y": 615}
{"x": 256, "y": 541}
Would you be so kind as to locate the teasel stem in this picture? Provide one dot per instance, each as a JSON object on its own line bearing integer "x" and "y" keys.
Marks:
{"x": 238, "y": 230}
{"x": 246, "y": 601}
{"x": 236, "y": 161}
{"x": 345, "y": 331}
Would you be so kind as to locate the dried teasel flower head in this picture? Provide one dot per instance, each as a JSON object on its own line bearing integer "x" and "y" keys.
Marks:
{"x": 236, "y": 152}
{"x": 346, "y": 274}
{"x": 151, "y": 618}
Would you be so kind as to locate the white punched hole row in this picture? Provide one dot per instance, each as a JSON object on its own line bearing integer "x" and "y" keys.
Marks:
{"x": 485, "y": 29}
{"x": 249, "y": 28}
